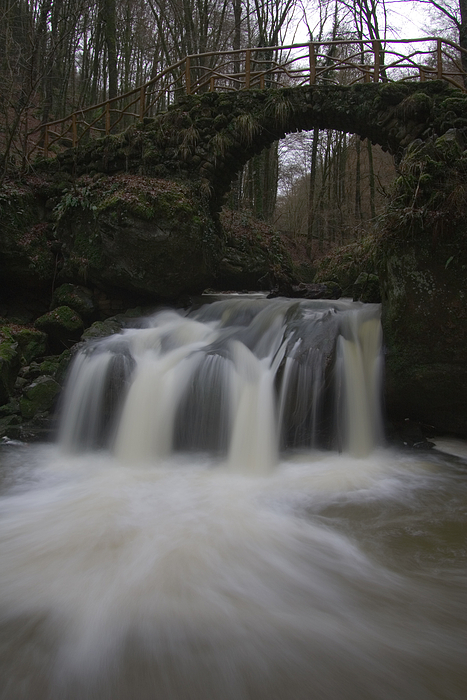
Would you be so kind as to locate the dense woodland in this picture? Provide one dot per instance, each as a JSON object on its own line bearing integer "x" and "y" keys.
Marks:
{"x": 320, "y": 187}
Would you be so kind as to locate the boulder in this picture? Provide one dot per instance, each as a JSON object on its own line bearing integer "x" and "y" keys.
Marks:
{"x": 422, "y": 267}
{"x": 78, "y": 298}
{"x": 62, "y": 325}
{"x": 39, "y": 397}
{"x": 31, "y": 342}
{"x": 9, "y": 364}
{"x": 151, "y": 239}
{"x": 254, "y": 255}
{"x": 366, "y": 288}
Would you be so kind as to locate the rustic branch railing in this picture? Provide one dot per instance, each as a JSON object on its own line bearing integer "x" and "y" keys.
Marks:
{"x": 337, "y": 62}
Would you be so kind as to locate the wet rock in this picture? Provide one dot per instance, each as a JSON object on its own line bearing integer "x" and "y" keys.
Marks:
{"x": 324, "y": 290}
{"x": 39, "y": 397}
{"x": 10, "y": 426}
{"x": 409, "y": 434}
{"x": 102, "y": 329}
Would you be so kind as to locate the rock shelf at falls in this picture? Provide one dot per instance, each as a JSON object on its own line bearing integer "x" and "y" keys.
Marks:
{"x": 219, "y": 519}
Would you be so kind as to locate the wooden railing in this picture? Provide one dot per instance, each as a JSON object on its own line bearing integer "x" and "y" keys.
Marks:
{"x": 336, "y": 62}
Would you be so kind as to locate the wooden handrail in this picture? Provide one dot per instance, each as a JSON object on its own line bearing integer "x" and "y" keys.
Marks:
{"x": 284, "y": 65}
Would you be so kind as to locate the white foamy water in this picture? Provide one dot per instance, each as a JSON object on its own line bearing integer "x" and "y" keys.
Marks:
{"x": 327, "y": 579}
{"x": 186, "y": 540}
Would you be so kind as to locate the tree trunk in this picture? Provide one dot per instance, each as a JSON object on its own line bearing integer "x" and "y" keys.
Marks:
{"x": 371, "y": 177}
{"x": 463, "y": 37}
{"x": 110, "y": 33}
{"x": 312, "y": 188}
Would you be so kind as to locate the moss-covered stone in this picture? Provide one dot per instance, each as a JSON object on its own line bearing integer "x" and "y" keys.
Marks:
{"x": 56, "y": 366}
{"x": 9, "y": 363}
{"x": 255, "y": 256}
{"x": 78, "y": 298}
{"x": 26, "y": 240}
{"x": 102, "y": 329}
{"x": 32, "y": 343}
{"x": 422, "y": 263}
{"x": 39, "y": 397}
{"x": 150, "y": 237}
{"x": 62, "y": 325}
{"x": 344, "y": 265}
{"x": 366, "y": 288}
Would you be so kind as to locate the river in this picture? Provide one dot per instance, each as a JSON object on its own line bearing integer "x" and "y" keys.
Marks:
{"x": 198, "y": 533}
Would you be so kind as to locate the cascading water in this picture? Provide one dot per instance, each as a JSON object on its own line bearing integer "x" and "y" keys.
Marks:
{"x": 220, "y": 520}
{"x": 234, "y": 375}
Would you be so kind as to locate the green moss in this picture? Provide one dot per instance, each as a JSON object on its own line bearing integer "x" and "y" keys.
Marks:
{"x": 77, "y": 298}
{"x": 345, "y": 264}
{"x": 32, "y": 343}
{"x": 39, "y": 397}
{"x": 9, "y": 363}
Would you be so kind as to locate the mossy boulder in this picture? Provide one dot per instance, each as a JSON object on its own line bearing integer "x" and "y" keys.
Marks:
{"x": 422, "y": 263}
{"x": 366, "y": 288}
{"x": 78, "y": 298}
{"x": 9, "y": 363}
{"x": 151, "y": 238}
{"x": 39, "y": 397}
{"x": 56, "y": 366}
{"x": 31, "y": 342}
{"x": 26, "y": 241}
{"x": 254, "y": 255}
{"x": 102, "y": 329}
{"x": 62, "y": 325}
{"x": 344, "y": 265}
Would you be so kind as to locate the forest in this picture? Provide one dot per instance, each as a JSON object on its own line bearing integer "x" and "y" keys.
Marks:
{"x": 320, "y": 188}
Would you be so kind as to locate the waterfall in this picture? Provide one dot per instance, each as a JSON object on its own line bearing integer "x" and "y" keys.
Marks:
{"x": 244, "y": 378}
{"x": 218, "y": 522}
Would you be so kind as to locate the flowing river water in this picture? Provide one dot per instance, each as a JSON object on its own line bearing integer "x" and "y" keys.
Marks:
{"x": 220, "y": 519}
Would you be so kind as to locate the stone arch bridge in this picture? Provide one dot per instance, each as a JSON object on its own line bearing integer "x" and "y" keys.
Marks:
{"x": 206, "y": 139}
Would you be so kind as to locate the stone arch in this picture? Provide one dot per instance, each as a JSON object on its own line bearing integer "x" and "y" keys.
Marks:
{"x": 237, "y": 126}
{"x": 207, "y": 139}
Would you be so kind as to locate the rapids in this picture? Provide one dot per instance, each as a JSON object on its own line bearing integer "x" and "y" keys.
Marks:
{"x": 220, "y": 519}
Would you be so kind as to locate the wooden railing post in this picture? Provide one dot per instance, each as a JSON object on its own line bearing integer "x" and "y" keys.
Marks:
{"x": 142, "y": 102}
{"x": 422, "y": 74}
{"x": 312, "y": 61}
{"x": 188, "y": 75}
{"x": 376, "y": 52}
{"x": 74, "y": 131}
{"x": 107, "y": 117}
{"x": 212, "y": 86}
{"x": 439, "y": 59}
{"x": 247, "y": 68}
